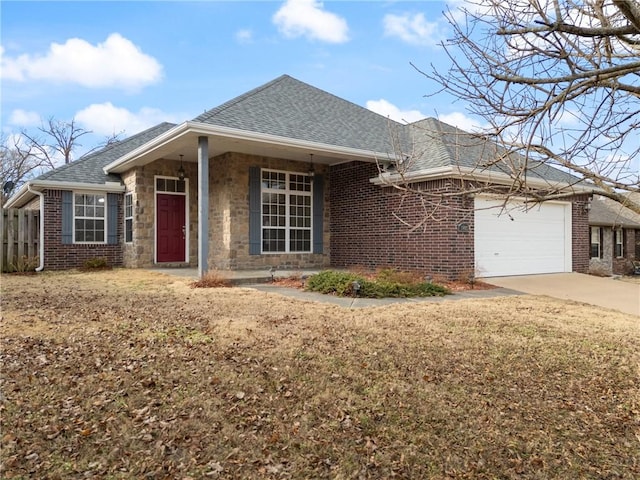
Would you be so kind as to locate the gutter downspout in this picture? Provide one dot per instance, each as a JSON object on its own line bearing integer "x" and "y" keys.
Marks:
{"x": 41, "y": 240}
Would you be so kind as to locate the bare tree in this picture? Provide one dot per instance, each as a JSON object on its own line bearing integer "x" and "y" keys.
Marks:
{"x": 59, "y": 140}
{"x": 557, "y": 83}
{"x": 18, "y": 162}
{"x": 25, "y": 156}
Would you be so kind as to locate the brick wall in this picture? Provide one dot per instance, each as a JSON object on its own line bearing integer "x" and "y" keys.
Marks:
{"x": 581, "y": 239}
{"x": 380, "y": 227}
{"x": 371, "y": 226}
{"x": 58, "y": 256}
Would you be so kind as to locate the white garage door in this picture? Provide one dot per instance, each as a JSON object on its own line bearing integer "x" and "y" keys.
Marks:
{"x": 519, "y": 242}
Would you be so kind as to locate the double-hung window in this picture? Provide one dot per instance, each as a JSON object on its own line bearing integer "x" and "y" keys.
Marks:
{"x": 89, "y": 220}
{"x": 618, "y": 243}
{"x": 128, "y": 218}
{"x": 286, "y": 212}
{"x": 596, "y": 242}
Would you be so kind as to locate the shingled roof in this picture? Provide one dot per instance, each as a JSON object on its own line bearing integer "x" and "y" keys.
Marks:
{"x": 89, "y": 168}
{"x": 607, "y": 212}
{"x": 437, "y": 144}
{"x": 289, "y": 108}
{"x": 292, "y": 109}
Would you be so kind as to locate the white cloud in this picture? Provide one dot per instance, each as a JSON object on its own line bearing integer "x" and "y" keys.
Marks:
{"x": 24, "y": 118}
{"x": 461, "y": 121}
{"x": 297, "y": 18}
{"x": 244, "y": 36}
{"x": 387, "y": 109}
{"x": 107, "y": 119}
{"x": 116, "y": 62}
{"x": 414, "y": 29}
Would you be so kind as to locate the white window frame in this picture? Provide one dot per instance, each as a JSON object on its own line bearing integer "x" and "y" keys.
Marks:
{"x": 128, "y": 197}
{"x": 598, "y": 232}
{"x": 618, "y": 241}
{"x": 288, "y": 193}
{"x": 84, "y": 217}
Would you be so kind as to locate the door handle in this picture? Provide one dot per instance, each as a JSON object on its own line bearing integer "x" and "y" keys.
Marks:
{"x": 184, "y": 232}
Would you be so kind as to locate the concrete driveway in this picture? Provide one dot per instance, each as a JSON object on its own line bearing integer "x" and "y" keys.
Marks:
{"x": 604, "y": 292}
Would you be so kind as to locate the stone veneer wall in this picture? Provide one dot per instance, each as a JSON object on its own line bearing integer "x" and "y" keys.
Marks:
{"x": 59, "y": 256}
{"x": 609, "y": 264}
{"x": 228, "y": 213}
{"x": 140, "y": 253}
{"x": 623, "y": 266}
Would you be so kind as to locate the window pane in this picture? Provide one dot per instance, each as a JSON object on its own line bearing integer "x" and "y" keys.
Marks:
{"x": 160, "y": 187}
{"x": 79, "y": 210}
{"x": 128, "y": 230}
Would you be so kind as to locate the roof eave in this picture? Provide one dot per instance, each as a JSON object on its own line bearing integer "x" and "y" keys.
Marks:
{"x": 466, "y": 173}
{"x": 24, "y": 195}
{"x": 198, "y": 128}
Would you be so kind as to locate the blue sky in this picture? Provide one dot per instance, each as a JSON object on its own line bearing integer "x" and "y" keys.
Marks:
{"x": 123, "y": 66}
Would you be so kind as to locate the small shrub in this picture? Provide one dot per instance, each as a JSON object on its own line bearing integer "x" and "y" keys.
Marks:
{"x": 97, "y": 263}
{"x": 211, "y": 280}
{"x": 24, "y": 264}
{"x": 332, "y": 281}
{"x": 387, "y": 283}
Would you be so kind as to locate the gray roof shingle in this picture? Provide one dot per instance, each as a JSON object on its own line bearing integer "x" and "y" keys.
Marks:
{"x": 88, "y": 169}
{"x": 437, "y": 144}
{"x": 607, "y": 212}
{"x": 290, "y": 108}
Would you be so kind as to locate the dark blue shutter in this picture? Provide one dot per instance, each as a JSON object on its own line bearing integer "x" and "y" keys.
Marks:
{"x": 67, "y": 217}
{"x": 112, "y": 218}
{"x": 255, "y": 207}
{"x": 318, "y": 213}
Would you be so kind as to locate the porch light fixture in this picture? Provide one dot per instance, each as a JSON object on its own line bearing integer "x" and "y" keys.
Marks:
{"x": 181, "y": 171}
{"x": 312, "y": 172}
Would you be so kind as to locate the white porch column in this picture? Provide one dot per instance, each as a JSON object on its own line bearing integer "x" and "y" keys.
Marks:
{"x": 203, "y": 205}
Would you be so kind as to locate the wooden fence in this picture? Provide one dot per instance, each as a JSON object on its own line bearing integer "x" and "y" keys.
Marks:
{"x": 19, "y": 238}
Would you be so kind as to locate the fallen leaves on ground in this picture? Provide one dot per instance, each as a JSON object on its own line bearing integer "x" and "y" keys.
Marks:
{"x": 133, "y": 374}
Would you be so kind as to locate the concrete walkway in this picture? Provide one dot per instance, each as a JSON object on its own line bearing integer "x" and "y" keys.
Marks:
{"x": 605, "y": 292}
{"x": 261, "y": 280}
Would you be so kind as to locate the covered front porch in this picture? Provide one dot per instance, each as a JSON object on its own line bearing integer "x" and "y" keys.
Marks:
{"x": 222, "y": 223}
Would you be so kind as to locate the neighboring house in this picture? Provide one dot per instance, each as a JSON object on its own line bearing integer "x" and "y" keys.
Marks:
{"x": 288, "y": 175}
{"x": 614, "y": 236}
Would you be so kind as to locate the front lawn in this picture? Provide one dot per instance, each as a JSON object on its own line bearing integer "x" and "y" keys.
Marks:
{"x": 132, "y": 374}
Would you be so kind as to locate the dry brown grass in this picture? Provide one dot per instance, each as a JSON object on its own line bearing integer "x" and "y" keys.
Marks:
{"x": 122, "y": 374}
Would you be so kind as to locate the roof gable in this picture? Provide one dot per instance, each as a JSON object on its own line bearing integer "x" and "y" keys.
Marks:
{"x": 289, "y": 108}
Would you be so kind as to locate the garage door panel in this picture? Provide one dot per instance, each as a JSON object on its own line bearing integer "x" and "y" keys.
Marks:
{"x": 519, "y": 242}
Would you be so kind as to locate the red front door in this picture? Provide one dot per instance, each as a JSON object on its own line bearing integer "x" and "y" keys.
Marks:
{"x": 171, "y": 233}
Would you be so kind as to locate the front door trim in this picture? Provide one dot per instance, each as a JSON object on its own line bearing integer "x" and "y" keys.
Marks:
{"x": 186, "y": 215}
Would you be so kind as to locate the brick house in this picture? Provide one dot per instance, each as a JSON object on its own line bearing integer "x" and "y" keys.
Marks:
{"x": 614, "y": 232}
{"x": 291, "y": 176}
